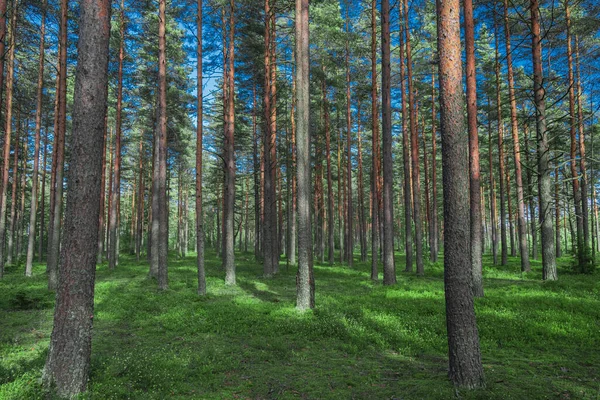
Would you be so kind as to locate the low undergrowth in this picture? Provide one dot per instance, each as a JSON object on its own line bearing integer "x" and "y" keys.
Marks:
{"x": 363, "y": 341}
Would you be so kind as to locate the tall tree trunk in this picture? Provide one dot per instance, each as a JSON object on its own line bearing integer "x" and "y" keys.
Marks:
{"x": 350, "y": 211}
{"x": 414, "y": 144}
{"x": 36, "y": 151}
{"x": 582, "y": 168}
{"x": 113, "y": 250}
{"x": 389, "y": 267}
{"x": 501, "y": 173}
{"x": 140, "y": 202}
{"x": 474, "y": 169}
{"x": 493, "y": 212}
{"x": 13, "y": 201}
{"x": 229, "y": 199}
{"x": 103, "y": 194}
{"x": 305, "y": 283}
{"x": 557, "y": 211}
{"x": 59, "y": 149}
{"x": 466, "y": 369}
{"x": 361, "y": 190}
{"x": 8, "y": 128}
{"x": 434, "y": 205}
{"x": 160, "y": 233}
{"x": 405, "y": 149}
{"x": 68, "y": 363}
{"x": 43, "y": 198}
{"x": 293, "y": 224}
{"x": 523, "y": 247}
{"x": 270, "y": 248}
{"x": 376, "y": 146}
{"x": 330, "y": 204}
{"x": 577, "y": 198}
{"x": 199, "y": 152}
{"x": 532, "y": 207}
{"x": 513, "y": 249}
{"x": 543, "y": 151}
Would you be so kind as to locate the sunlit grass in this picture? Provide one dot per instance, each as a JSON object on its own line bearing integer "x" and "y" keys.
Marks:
{"x": 364, "y": 340}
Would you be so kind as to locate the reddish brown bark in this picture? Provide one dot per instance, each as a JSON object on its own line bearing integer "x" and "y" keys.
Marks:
{"x": 414, "y": 145}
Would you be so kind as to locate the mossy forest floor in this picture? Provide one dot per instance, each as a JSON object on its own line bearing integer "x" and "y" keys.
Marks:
{"x": 364, "y": 341}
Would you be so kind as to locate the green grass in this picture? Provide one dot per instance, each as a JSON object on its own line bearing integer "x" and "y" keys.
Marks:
{"x": 363, "y": 341}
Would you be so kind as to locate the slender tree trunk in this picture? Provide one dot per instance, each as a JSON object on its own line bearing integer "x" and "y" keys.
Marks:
{"x": 43, "y": 198}
{"x": 199, "y": 152}
{"x": 293, "y": 225}
{"x": 361, "y": 190}
{"x": 405, "y": 149}
{"x": 140, "y": 202}
{"x": 36, "y": 152}
{"x": 416, "y": 176}
{"x": 330, "y": 204}
{"x": 160, "y": 233}
{"x": 8, "y": 128}
{"x": 466, "y": 369}
{"x": 523, "y": 247}
{"x": 474, "y": 169}
{"x": 582, "y": 161}
{"x": 577, "y": 197}
{"x": 68, "y": 363}
{"x": 511, "y": 230}
{"x": 59, "y": 146}
{"x": 269, "y": 143}
{"x": 376, "y": 147}
{"x": 543, "y": 151}
{"x": 13, "y": 201}
{"x": 305, "y": 283}
{"x": 557, "y": 211}
{"x": 501, "y": 173}
{"x": 350, "y": 211}
{"x": 229, "y": 199}
{"x": 102, "y": 195}
{"x": 389, "y": 267}
{"x": 113, "y": 250}
{"x": 493, "y": 213}
{"x": 434, "y": 205}
{"x": 532, "y": 207}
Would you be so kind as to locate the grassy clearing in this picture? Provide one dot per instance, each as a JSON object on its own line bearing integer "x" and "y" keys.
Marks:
{"x": 364, "y": 341}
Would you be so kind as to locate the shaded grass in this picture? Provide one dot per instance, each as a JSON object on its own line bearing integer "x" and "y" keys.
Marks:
{"x": 364, "y": 340}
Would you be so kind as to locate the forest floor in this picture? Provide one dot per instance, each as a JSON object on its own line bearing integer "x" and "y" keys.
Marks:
{"x": 363, "y": 341}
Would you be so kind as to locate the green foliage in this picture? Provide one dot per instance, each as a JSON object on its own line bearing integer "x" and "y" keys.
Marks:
{"x": 363, "y": 340}
{"x": 584, "y": 263}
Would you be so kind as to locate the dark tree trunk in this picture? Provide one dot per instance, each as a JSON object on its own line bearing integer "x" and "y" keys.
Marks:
{"x": 465, "y": 367}
{"x": 543, "y": 153}
{"x": 361, "y": 191}
{"x": 68, "y": 363}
